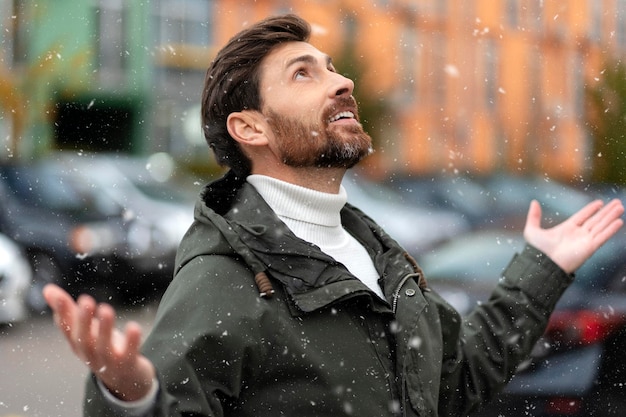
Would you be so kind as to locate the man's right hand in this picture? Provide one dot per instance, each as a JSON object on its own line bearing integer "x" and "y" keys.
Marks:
{"x": 112, "y": 355}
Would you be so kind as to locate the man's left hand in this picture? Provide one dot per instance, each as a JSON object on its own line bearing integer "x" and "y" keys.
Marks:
{"x": 571, "y": 243}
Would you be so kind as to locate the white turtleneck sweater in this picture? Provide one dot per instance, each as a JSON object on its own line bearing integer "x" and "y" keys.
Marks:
{"x": 314, "y": 216}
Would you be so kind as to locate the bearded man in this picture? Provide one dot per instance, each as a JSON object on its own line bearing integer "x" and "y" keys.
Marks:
{"x": 286, "y": 300}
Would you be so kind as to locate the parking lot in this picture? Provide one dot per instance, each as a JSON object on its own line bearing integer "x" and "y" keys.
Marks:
{"x": 473, "y": 226}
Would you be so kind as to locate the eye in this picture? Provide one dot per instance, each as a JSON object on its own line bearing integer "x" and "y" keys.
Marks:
{"x": 301, "y": 73}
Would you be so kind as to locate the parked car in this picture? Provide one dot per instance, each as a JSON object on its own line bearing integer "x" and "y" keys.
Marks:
{"x": 159, "y": 213}
{"x": 495, "y": 201}
{"x": 458, "y": 193}
{"x": 67, "y": 239}
{"x": 577, "y": 368}
{"x": 415, "y": 228}
{"x": 15, "y": 278}
{"x": 510, "y": 197}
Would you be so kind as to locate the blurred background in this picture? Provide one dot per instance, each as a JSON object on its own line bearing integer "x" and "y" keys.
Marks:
{"x": 532, "y": 87}
{"x": 475, "y": 108}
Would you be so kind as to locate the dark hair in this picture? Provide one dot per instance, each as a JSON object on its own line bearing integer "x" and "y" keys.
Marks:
{"x": 232, "y": 82}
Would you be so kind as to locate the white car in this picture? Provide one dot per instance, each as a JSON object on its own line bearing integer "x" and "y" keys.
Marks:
{"x": 15, "y": 279}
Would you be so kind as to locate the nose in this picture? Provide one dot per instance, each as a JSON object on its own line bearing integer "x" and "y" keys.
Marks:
{"x": 341, "y": 86}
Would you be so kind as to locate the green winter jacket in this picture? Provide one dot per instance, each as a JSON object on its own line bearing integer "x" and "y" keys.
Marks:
{"x": 308, "y": 339}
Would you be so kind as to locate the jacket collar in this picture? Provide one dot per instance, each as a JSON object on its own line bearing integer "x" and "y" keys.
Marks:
{"x": 311, "y": 278}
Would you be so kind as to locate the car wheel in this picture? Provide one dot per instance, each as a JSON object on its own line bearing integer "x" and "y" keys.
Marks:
{"x": 45, "y": 271}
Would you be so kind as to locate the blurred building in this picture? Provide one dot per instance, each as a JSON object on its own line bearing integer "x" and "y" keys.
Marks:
{"x": 475, "y": 86}
{"x": 82, "y": 71}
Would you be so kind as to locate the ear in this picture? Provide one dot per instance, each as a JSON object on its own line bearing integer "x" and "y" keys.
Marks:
{"x": 247, "y": 127}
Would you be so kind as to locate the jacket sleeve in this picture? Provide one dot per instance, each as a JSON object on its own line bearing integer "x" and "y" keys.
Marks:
{"x": 200, "y": 341}
{"x": 482, "y": 352}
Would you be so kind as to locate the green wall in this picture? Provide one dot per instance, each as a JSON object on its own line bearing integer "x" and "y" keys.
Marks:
{"x": 61, "y": 39}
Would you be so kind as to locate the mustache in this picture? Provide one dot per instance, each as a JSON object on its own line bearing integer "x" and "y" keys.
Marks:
{"x": 343, "y": 103}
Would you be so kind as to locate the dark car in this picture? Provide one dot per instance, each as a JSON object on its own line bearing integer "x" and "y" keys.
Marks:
{"x": 495, "y": 201}
{"x": 69, "y": 238}
{"x": 159, "y": 211}
{"x": 510, "y": 196}
{"x": 578, "y": 367}
{"x": 458, "y": 193}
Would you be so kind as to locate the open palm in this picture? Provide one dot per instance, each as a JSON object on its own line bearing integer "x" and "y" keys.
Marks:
{"x": 111, "y": 354}
{"x": 570, "y": 243}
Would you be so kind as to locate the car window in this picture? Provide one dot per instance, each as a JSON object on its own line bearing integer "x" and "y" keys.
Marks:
{"x": 605, "y": 269}
{"x": 476, "y": 258}
{"x": 41, "y": 186}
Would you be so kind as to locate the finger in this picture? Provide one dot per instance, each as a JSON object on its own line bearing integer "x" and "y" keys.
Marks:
{"x": 133, "y": 338}
{"x": 533, "y": 218}
{"x": 54, "y": 295}
{"x": 582, "y": 215}
{"x": 104, "y": 340}
{"x": 606, "y": 233}
{"x": 83, "y": 339}
{"x": 63, "y": 306}
{"x": 603, "y": 218}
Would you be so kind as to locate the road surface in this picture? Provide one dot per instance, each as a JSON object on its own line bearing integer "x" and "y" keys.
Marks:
{"x": 39, "y": 375}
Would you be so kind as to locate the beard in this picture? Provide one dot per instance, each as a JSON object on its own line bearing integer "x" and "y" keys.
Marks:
{"x": 319, "y": 145}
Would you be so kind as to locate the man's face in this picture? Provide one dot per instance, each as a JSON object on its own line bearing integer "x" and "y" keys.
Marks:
{"x": 310, "y": 109}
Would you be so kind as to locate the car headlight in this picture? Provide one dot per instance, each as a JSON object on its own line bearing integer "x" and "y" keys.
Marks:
{"x": 93, "y": 238}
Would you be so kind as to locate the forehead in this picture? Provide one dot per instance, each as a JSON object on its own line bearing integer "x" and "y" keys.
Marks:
{"x": 284, "y": 56}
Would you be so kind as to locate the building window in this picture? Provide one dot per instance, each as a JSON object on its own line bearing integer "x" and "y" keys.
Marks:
{"x": 436, "y": 68}
{"x": 488, "y": 55}
{"x": 381, "y": 3}
{"x": 513, "y": 13}
{"x": 577, "y": 66}
{"x": 432, "y": 8}
{"x": 8, "y": 22}
{"x": 597, "y": 21}
{"x": 410, "y": 63}
{"x": 620, "y": 23}
{"x": 184, "y": 22}
{"x": 112, "y": 40}
{"x": 531, "y": 14}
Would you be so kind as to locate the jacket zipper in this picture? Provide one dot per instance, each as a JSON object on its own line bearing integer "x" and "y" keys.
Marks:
{"x": 396, "y": 293}
{"x": 394, "y": 306}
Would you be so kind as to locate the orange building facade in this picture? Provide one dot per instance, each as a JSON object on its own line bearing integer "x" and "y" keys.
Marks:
{"x": 474, "y": 86}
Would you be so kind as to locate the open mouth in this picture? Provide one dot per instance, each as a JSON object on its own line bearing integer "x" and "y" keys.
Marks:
{"x": 341, "y": 116}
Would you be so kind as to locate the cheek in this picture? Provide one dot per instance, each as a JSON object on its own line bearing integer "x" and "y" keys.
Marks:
{"x": 305, "y": 113}
{"x": 301, "y": 106}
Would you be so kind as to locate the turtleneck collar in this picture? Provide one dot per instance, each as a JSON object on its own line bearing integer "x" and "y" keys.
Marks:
{"x": 299, "y": 203}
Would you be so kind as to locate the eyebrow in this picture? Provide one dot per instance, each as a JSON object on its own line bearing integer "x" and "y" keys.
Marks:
{"x": 307, "y": 59}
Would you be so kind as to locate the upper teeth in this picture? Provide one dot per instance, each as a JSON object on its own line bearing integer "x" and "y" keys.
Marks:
{"x": 338, "y": 116}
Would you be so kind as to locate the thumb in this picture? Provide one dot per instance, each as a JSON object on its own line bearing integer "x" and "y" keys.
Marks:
{"x": 55, "y": 296}
{"x": 533, "y": 218}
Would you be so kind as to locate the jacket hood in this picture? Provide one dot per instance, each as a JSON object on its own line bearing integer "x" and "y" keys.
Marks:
{"x": 232, "y": 219}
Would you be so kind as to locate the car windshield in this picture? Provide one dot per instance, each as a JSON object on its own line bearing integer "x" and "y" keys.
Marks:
{"x": 128, "y": 175}
{"x": 42, "y": 186}
{"x": 161, "y": 191}
{"x": 479, "y": 258}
